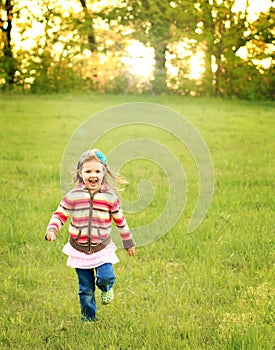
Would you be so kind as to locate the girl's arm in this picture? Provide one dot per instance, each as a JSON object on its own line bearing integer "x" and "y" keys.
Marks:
{"x": 58, "y": 219}
{"x": 123, "y": 229}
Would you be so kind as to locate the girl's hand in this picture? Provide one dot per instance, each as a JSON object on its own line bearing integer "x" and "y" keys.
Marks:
{"x": 50, "y": 236}
{"x": 131, "y": 251}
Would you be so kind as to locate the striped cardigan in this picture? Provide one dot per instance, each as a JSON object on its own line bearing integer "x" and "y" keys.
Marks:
{"x": 99, "y": 208}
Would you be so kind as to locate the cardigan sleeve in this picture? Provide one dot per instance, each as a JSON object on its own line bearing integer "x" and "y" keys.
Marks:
{"x": 121, "y": 224}
{"x": 60, "y": 216}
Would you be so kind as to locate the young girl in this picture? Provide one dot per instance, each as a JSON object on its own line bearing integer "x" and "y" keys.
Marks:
{"x": 92, "y": 205}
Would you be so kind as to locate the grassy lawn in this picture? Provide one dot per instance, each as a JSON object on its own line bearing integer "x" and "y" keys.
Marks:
{"x": 210, "y": 289}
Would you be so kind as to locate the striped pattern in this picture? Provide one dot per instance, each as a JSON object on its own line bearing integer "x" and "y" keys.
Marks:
{"x": 106, "y": 208}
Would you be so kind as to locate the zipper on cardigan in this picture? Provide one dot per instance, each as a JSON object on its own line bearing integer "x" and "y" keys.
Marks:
{"x": 90, "y": 221}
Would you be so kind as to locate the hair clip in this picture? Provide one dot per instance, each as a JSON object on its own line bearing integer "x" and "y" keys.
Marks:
{"x": 101, "y": 156}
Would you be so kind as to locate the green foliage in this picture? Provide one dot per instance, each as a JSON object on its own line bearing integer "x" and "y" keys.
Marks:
{"x": 58, "y": 79}
{"x": 81, "y": 47}
{"x": 212, "y": 289}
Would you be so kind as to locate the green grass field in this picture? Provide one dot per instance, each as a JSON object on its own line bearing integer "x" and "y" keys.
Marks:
{"x": 211, "y": 289}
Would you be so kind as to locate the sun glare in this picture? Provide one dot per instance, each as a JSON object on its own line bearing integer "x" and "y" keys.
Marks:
{"x": 254, "y": 7}
{"x": 196, "y": 66}
{"x": 139, "y": 59}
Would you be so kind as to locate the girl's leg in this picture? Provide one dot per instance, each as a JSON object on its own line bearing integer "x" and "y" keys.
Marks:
{"x": 86, "y": 280}
{"x": 105, "y": 277}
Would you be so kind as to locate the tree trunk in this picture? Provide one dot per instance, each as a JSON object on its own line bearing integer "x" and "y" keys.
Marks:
{"x": 89, "y": 20}
{"x": 9, "y": 62}
{"x": 159, "y": 84}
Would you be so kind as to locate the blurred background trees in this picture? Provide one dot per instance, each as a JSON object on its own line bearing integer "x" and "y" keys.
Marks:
{"x": 203, "y": 47}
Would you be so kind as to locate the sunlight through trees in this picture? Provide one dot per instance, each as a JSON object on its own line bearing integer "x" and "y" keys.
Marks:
{"x": 215, "y": 47}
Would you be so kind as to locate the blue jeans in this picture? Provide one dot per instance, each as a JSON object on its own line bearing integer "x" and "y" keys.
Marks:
{"x": 103, "y": 277}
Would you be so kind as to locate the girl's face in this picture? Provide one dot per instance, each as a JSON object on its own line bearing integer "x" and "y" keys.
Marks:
{"x": 92, "y": 173}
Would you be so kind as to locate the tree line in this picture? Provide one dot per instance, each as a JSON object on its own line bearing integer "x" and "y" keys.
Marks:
{"x": 48, "y": 47}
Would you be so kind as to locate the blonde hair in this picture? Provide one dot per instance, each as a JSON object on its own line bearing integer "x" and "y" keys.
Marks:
{"x": 111, "y": 179}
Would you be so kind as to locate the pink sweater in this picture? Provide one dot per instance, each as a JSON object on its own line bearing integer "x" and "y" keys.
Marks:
{"x": 91, "y": 211}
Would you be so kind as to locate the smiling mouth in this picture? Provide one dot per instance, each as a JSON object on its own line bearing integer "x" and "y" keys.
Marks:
{"x": 93, "y": 181}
